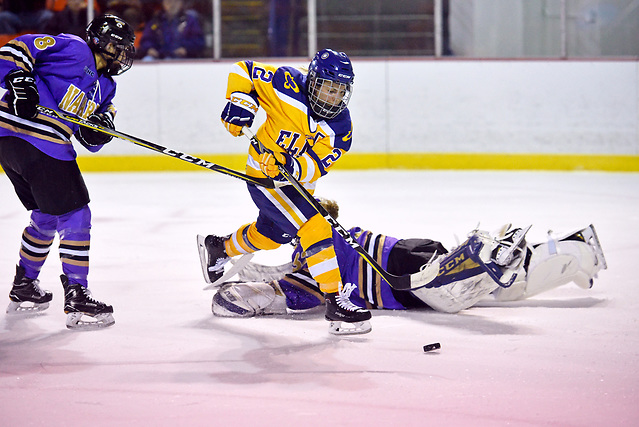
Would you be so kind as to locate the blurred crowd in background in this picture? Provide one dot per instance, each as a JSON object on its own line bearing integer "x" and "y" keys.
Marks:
{"x": 178, "y": 29}
{"x": 165, "y": 28}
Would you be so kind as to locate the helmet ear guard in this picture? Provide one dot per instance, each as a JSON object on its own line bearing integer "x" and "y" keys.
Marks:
{"x": 114, "y": 39}
{"x": 329, "y": 72}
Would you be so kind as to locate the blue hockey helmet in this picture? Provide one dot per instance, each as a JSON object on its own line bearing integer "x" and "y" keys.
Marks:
{"x": 329, "y": 83}
{"x": 113, "y": 38}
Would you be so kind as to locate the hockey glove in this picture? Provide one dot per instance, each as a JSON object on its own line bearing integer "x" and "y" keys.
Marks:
{"x": 269, "y": 167}
{"x": 92, "y": 138}
{"x": 22, "y": 96}
{"x": 240, "y": 111}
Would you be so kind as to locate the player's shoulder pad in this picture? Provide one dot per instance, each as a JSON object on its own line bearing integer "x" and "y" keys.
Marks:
{"x": 29, "y": 48}
{"x": 290, "y": 81}
{"x": 343, "y": 129}
{"x": 44, "y": 42}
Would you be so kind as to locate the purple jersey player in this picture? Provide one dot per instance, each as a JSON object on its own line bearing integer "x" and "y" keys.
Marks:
{"x": 75, "y": 76}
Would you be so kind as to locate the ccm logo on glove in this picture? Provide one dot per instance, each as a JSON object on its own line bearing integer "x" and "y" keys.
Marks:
{"x": 240, "y": 111}
{"x": 23, "y": 96}
{"x": 245, "y": 101}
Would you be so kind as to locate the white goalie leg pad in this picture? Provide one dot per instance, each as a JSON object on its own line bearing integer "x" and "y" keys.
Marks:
{"x": 557, "y": 263}
{"x": 457, "y": 296}
{"x": 85, "y": 322}
{"x": 248, "y": 299}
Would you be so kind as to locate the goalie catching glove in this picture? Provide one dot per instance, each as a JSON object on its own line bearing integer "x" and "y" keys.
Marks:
{"x": 92, "y": 138}
{"x": 240, "y": 111}
{"x": 268, "y": 164}
{"x": 23, "y": 96}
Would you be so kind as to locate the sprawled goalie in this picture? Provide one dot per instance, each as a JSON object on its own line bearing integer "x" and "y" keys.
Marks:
{"x": 507, "y": 267}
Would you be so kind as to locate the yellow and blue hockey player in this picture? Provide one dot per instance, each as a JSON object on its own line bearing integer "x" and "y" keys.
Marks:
{"x": 307, "y": 129}
{"x": 75, "y": 76}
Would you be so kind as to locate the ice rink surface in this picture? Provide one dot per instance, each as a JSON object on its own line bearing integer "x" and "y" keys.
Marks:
{"x": 569, "y": 357}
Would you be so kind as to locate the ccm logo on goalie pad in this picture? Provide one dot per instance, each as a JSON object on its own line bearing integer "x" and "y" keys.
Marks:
{"x": 453, "y": 265}
{"x": 458, "y": 266}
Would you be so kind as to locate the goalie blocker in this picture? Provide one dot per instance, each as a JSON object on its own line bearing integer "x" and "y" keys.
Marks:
{"x": 462, "y": 282}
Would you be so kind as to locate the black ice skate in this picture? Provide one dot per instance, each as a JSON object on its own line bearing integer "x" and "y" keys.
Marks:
{"x": 213, "y": 256}
{"x": 83, "y": 312}
{"x": 346, "y": 318}
{"x": 26, "y": 296}
{"x": 511, "y": 247}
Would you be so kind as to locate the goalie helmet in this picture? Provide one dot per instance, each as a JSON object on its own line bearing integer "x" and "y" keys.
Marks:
{"x": 329, "y": 83}
{"x": 113, "y": 38}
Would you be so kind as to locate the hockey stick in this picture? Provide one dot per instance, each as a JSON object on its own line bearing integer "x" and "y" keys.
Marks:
{"x": 402, "y": 283}
{"x": 264, "y": 182}
{"x": 237, "y": 267}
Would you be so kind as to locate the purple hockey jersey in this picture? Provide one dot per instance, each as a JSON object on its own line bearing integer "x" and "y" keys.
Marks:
{"x": 67, "y": 80}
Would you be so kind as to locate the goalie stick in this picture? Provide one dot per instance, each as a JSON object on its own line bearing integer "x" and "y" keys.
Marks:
{"x": 237, "y": 267}
{"x": 264, "y": 182}
{"x": 402, "y": 283}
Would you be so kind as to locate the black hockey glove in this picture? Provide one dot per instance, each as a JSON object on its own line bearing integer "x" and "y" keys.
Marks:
{"x": 93, "y": 138}
{"x": 22, "y": 96}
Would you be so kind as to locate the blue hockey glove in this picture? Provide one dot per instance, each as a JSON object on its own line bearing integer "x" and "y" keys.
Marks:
{"x": 240, "y": 111}
{"x": 92, "y": 138}
{"x": 23, "y": 96}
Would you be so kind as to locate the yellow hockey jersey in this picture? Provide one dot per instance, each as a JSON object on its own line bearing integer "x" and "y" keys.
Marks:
{"x": 290, "y": 127}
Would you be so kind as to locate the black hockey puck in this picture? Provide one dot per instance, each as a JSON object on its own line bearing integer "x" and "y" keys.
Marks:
{"x": 431, "y": 347}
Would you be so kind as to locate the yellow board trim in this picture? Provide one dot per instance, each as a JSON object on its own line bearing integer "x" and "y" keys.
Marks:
{"x": 409, "y": 161}
{"x": 485, "y": 161}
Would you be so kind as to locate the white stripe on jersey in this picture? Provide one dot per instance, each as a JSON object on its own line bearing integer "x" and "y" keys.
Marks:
{"x": 291, "y": 101}
{"x": 236, "y": 69}
{"x": 15, "y": 52}
{"x": 40, "y": 126}
{"x": 253, "y": 163}
{"x": 323, "y": 267}
{"x": 308, "y": 166}
{"x": 283, "y": 209}
{"x": 326, "y": 128}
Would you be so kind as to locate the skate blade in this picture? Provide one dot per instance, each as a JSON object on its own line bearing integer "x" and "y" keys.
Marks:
{"x": 597, "y": 246}
{"x": 346, "y": 328}
{"x": 30, "y": 309}
{"x": 85, "y": 322}
{"x": 201, "y": 249}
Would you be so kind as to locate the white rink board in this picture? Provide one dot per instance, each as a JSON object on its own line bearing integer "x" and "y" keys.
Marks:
{"x": 555, "y": 107}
